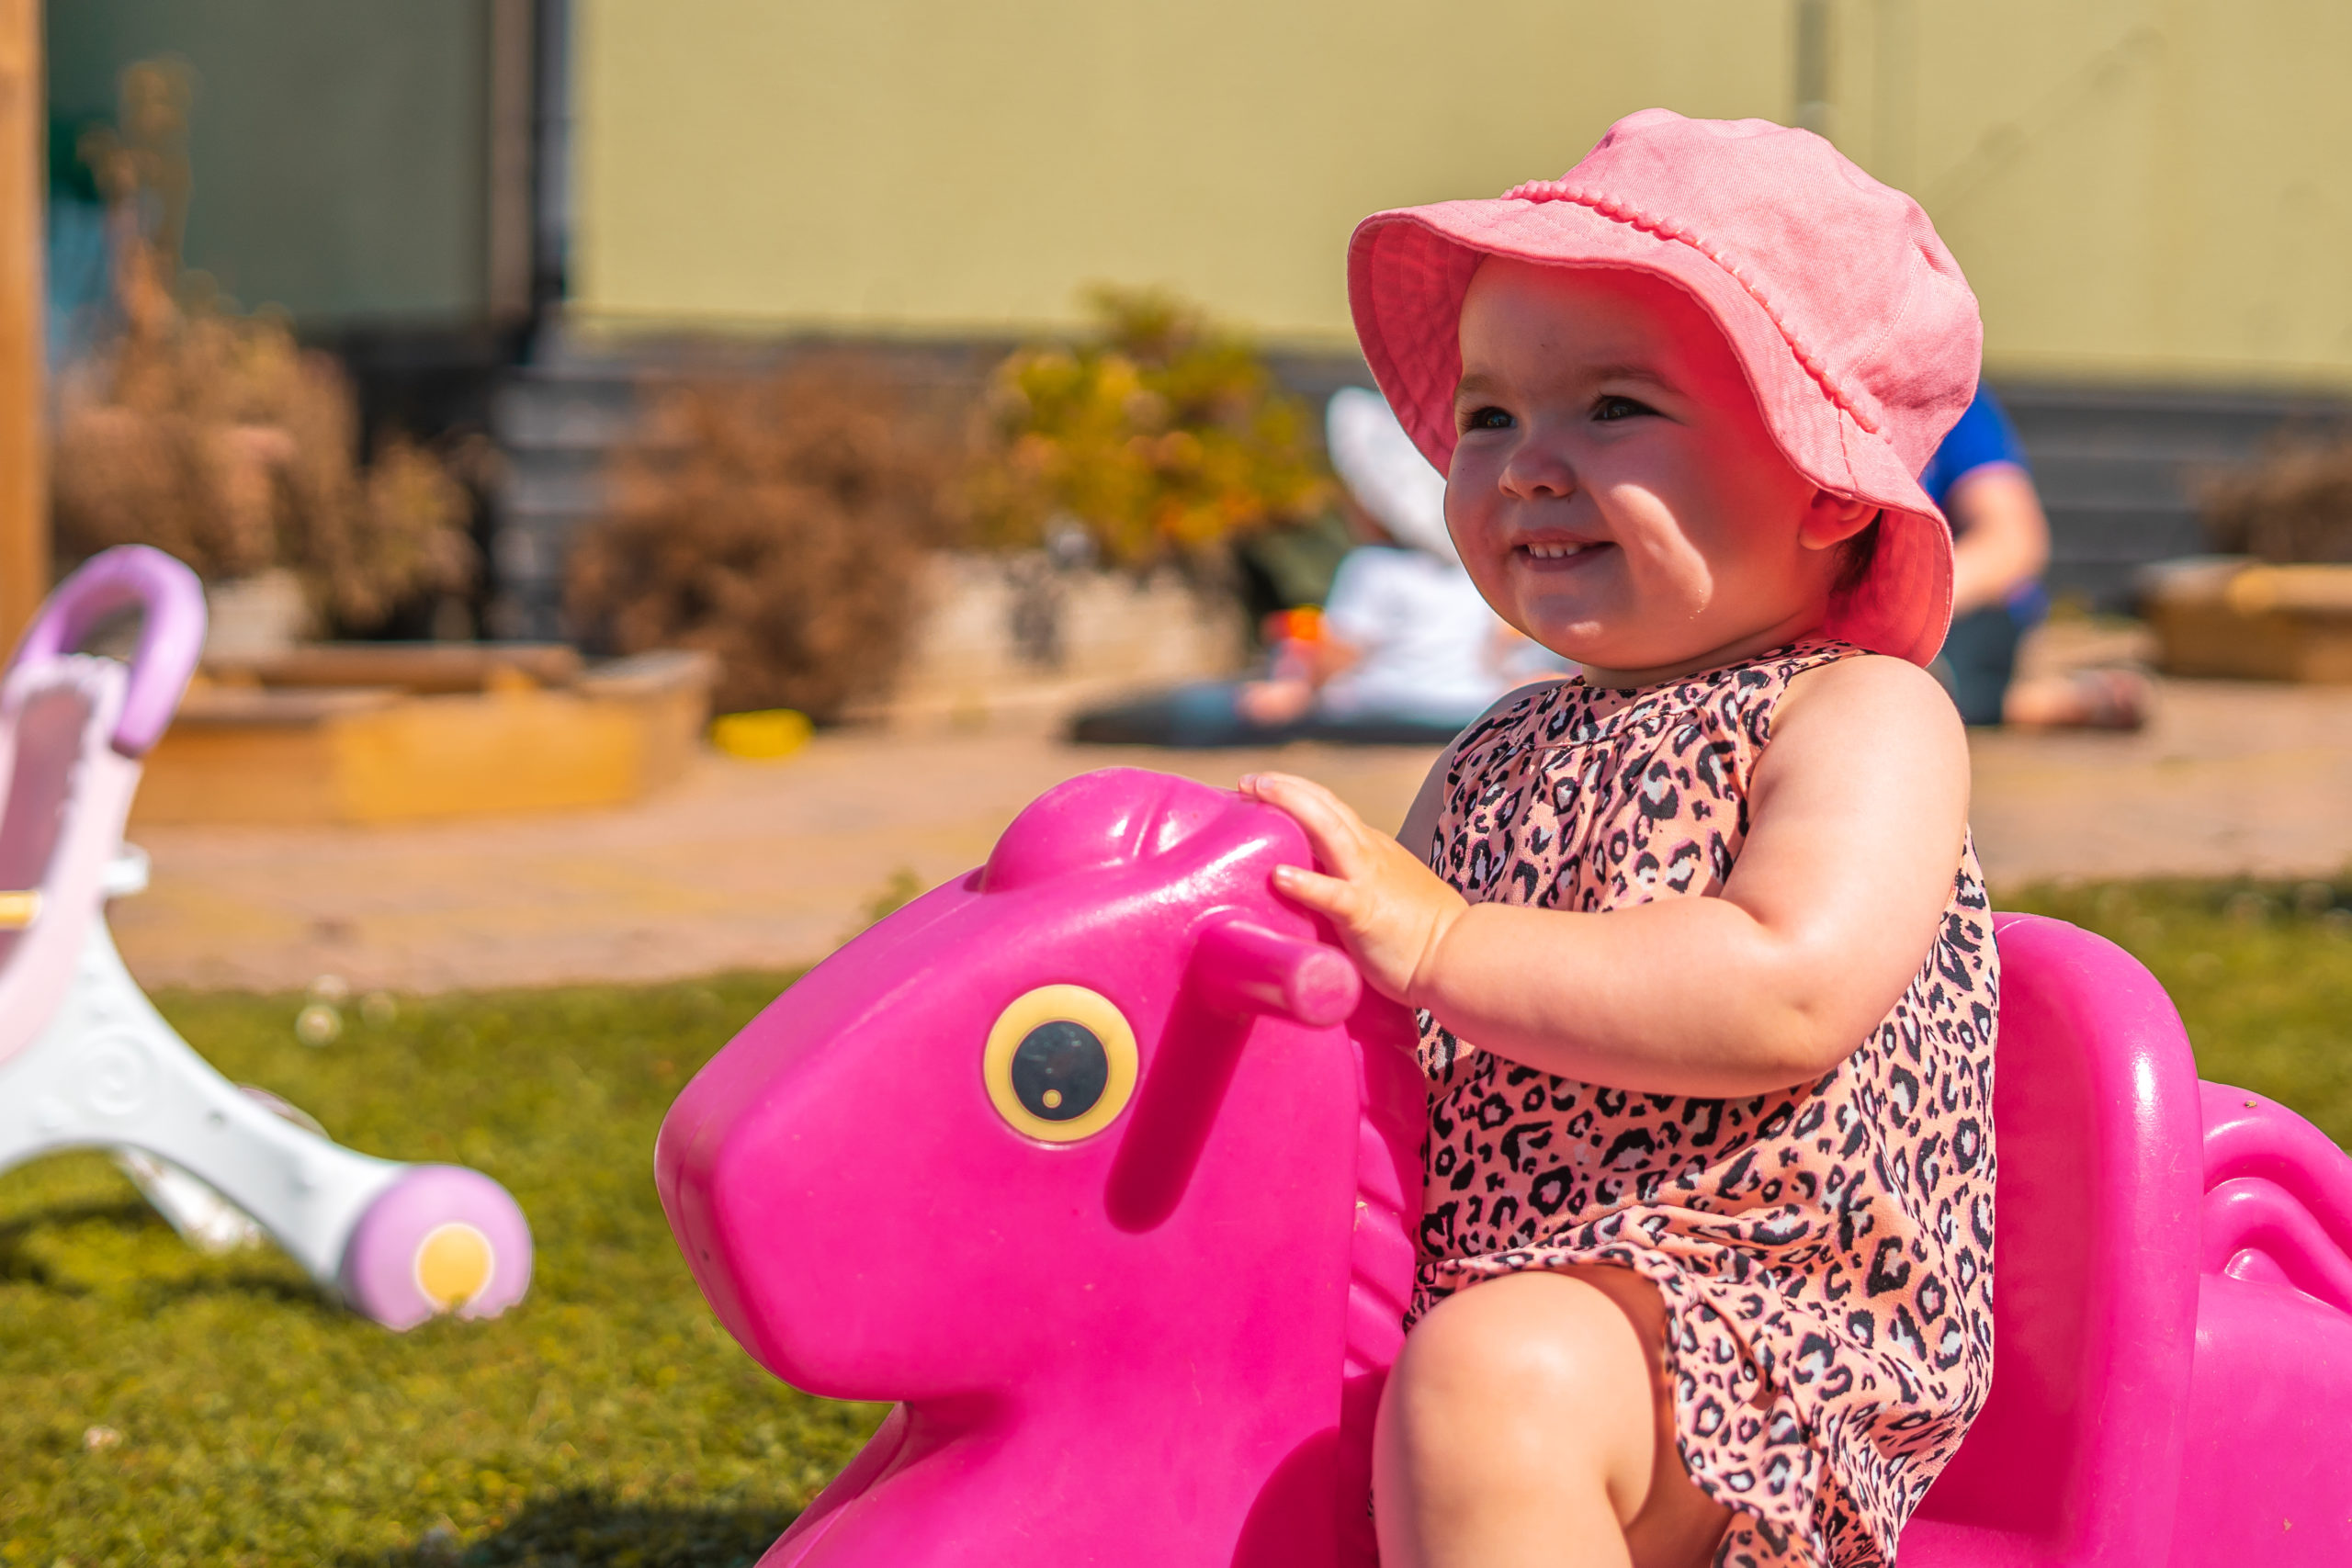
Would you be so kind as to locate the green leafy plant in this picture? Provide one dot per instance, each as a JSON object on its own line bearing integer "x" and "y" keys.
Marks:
{"x": 1160, "y": 434}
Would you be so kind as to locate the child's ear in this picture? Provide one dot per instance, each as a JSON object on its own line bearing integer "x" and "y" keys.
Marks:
{"x": 1830, "y": 519}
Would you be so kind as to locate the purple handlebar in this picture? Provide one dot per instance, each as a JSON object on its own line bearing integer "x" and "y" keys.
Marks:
{"x": 170, "y": 639}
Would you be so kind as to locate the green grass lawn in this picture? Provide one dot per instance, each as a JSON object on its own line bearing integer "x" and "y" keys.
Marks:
{"x": 2261, "y": 971}
{"x": 608, "y": 1420}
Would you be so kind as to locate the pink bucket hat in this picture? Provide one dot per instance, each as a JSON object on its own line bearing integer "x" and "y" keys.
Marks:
{"x": 1859, "y": 337}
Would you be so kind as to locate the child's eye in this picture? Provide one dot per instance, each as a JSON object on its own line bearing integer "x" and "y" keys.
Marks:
{"x": 1611, "y": 408}
{"x": 1487, "y": 419}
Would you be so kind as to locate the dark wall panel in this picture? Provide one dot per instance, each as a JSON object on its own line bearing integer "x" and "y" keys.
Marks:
{"x": 338, "y": 145}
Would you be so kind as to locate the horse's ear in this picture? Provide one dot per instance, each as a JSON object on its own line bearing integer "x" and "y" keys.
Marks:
{"x": 1242, "y": 967}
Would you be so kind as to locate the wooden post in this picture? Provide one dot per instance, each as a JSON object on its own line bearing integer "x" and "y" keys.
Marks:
{"x": 24, "y": 477}
{"x": 507, "y": 256}
{"x": 1814, "y": 111}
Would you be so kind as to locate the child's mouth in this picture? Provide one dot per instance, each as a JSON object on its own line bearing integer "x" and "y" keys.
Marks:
{"x": 1557, "y": 553}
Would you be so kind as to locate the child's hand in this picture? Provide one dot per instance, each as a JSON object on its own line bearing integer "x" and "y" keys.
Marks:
{"x": 1392, "y": 910}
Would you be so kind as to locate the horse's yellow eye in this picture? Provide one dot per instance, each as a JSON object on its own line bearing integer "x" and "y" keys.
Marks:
{"x": 1061, "y": 1063}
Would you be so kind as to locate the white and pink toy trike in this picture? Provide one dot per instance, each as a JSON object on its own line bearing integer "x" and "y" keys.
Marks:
{"x": 86, "y": 1061}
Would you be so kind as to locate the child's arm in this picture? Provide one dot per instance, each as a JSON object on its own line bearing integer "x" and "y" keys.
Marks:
{"x": 1857, "y": 814}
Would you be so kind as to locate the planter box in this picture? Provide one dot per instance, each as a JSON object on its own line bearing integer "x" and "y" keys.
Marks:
{"x": 1010, "y": 638}
{"x": 397, "y": 732}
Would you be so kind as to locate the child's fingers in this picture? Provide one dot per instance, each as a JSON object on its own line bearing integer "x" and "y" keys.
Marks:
{"x": 1287, "y": 791}
{"x": 1332, "y": 828}
{"x": 1328, "y": 896}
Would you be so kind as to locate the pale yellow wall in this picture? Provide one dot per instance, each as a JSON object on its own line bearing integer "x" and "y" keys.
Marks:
{"x": 959, "y": 165}
{"x": 2138, "y": 189}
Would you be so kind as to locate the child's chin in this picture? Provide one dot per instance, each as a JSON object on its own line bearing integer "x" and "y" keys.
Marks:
{"x": 1609, "y": 637}
{"x": 1580, "y": 643}
{"x": 1565, "y": 622}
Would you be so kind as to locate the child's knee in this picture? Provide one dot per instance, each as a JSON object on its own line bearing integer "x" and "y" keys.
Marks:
{"x": 1529, "y": 1372}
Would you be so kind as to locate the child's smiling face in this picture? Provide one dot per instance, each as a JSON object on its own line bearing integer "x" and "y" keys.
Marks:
{"x": 1614, "y": 493}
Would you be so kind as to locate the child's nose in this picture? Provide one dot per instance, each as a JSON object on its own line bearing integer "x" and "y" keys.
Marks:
{"x": 1538, "y": 471}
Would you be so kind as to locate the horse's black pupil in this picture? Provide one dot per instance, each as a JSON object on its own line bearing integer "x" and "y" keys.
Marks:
{"x": 1060, "y": 1070}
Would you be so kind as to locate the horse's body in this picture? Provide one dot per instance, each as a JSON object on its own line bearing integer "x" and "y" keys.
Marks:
{"x": 1156, "y": 1342}
{"x": 1095, "y": 1163}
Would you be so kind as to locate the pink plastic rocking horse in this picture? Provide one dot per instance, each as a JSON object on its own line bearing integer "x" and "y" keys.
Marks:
{"x": 1097, "y": 1163}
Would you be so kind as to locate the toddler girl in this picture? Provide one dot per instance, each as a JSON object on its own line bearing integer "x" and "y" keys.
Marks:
{"x": 1703, "y": 966}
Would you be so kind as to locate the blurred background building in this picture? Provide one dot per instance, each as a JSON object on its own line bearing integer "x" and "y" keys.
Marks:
{"x": 501, "y": 212}
{"x": 368, "y": 167}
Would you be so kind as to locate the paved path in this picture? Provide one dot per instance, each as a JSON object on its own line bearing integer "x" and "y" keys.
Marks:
{"x": 762, "y": 866}
{"x": 741, "y": 865}
{"x": 2230, "y": 778}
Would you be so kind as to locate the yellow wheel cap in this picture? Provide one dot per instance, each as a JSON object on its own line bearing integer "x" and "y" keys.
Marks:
{"x": 452, "y": 1265}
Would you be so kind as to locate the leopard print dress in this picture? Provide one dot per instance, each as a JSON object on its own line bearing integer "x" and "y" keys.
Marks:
{"x": 1824, "y": 1252}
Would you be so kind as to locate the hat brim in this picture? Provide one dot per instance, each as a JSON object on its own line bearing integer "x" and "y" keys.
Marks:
{"x": 1409, "y": 271}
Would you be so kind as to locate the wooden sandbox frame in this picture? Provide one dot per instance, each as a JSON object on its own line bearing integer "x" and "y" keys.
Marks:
{"x": 391, "y": 732}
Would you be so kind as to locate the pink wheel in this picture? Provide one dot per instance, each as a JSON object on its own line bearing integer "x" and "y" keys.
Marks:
{"x": 440, "y": 1240}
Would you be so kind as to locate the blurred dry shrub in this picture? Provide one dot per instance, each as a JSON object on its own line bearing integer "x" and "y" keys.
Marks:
{"x": 779, "y": 522}
{"x": 1162, "y": 436}
{"x": 219, "y": 438}
{"x": 2295, "y": 504}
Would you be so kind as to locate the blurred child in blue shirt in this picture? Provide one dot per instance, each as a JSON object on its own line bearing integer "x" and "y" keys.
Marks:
{"x": 2000, "y": 546}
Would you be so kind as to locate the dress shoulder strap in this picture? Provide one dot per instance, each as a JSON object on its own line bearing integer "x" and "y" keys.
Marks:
{"x": 1748, "y": 692}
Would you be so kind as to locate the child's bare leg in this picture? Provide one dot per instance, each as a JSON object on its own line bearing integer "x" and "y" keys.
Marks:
{"x": 1528, "y": 1421}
